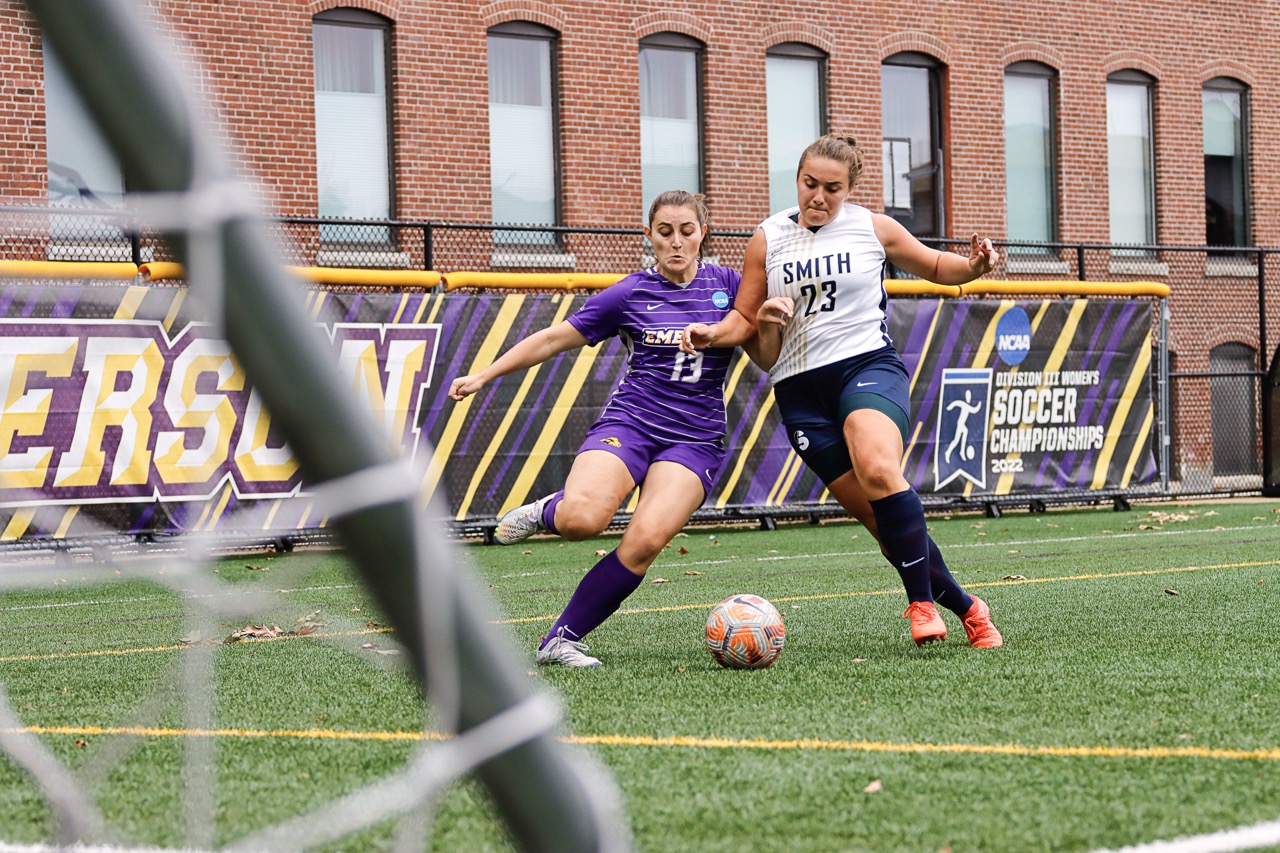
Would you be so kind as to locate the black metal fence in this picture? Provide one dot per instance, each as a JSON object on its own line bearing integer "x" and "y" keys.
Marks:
{"x": 1220, "y": 406}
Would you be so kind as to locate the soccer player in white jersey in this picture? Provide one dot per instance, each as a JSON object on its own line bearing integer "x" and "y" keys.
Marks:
{"x": 813, "y": 293}
{"x": 663, "y": 425}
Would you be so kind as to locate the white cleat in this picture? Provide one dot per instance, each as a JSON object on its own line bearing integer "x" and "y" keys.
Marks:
{"x": 561, "y": 652}
{"x": 520, "y": 523}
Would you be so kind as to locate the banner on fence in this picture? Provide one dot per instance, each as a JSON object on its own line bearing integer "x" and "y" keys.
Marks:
{"x": 120, "y": 411}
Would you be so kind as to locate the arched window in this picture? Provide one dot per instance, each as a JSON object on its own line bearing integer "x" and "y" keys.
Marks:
{"x": 83, "y": 172}
{"x": 796, "y": 87}
{"x": 670, "y": 115}
{"x": 354, "y": 169}
{"x": 524, "y": 162}
{"x": 1226, "y": 162}
{"x": 1131, "y": 159}
{"x": 1233, "y": 399}
{"x": 913, "y": 146}
{"x": 1030, "y": 155}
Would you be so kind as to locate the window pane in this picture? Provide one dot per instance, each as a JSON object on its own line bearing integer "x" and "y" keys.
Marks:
{"x": 1028, "y": 147}
{"x": 669, "y": 154}
{"x": 794, "y": 122}
{"x": 1224, "y": 168}
{"x": 1129, "y": 164}
{"x": 910, "y": 173}
{"x": 351, "y": 129}
{"x": 522, "y": 165}
{"x": 82, "y": 170}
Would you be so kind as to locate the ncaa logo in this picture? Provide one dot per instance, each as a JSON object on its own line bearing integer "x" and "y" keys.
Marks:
{"x": 1013, "y": 335}
{"x": 720, "y": 299}
{"x": 800, "y": 440}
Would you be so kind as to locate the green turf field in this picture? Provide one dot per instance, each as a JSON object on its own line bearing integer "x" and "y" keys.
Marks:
{"x": 1136, "y": 697}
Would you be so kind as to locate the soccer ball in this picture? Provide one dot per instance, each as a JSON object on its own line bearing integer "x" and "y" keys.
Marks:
{"x": 745, "y": 632}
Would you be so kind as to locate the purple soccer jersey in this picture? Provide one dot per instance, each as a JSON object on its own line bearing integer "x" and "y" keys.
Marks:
{"x": 677, "y": 398}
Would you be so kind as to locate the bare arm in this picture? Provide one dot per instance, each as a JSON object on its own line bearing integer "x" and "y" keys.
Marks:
{"x": 532, "y": 350}
{"x": 905, "y": 251}
{"x": 739, "y": 325}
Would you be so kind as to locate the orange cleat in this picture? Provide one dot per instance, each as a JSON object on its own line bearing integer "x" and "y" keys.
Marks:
{"x": 978, "y": 625}
{"x": 926, "y": 625}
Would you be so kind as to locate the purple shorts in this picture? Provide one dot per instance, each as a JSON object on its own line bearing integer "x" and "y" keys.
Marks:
{"x": 638, "y": 451}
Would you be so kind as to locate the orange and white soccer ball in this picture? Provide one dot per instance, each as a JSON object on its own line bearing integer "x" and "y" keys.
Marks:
{"x": 745, "y": 632}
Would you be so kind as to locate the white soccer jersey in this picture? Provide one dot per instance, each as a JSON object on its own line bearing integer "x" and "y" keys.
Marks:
{"x": 836, "y": 278}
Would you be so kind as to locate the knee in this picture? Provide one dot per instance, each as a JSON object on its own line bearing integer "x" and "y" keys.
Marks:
{"x": 637, "y": 553}
{"x": 576, "y": 520}
{"x": 880, "y": 476}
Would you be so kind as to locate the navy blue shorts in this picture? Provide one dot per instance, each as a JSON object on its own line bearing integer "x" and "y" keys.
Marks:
{"x": 638, "y": 451}
{"x": 815, "y": 404}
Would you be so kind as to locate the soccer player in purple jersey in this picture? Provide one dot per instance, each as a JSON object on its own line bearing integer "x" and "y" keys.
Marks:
{"x": 663, "y": 427}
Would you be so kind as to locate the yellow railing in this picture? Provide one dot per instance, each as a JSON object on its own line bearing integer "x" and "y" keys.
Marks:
{"x": 352, "y": 276}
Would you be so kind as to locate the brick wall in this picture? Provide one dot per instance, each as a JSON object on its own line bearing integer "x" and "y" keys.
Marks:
{"x": 253, "y": 59}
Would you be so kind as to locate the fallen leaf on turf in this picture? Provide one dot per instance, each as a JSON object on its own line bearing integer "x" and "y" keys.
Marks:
{"x": 257, "y": 632}
{"x": 693, "y": 573}
{"x": 1186, "y": 736}
{"x": 854, "y": 536}
{"x": 1261, "y": 581}
{"x": 368, "y": 645}
{"x": 659, "y": 580}
{"x": 682, "y": 550}
{"x": 526, "y": 552}
{"x": 982, "y": 533}
{"x": 257, "y": 568}
{"x": 772, "y": 551}
{"x": 373, "y": 624}
{"x": 874, "y": 788}
{"x": 599, "y": 553}
{"x": 859, "y": 660}
{"x": 682, "y": 535}
{"x": 1147, "y": 527}
{"x": 305, "y": 629}
{"x": 81, "y": 743}
{"x": 1014, "y": 551}
{"x": 1172, "y": 592}
{"x": 1014, "y": 577}
{"x": 1259, "y": 518}
{"x": 355, "y": 610}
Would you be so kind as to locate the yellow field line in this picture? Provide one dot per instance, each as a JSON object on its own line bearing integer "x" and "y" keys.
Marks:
{"x": 982, "y": 584}
{"x": 695, "y": 742}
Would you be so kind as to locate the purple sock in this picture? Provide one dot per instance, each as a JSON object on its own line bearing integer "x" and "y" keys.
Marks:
{"x": 946, "y": 590}
{"x": 549, "y": 512}
{"x": 905, "y": 540}
{"x": 598, "y": 595}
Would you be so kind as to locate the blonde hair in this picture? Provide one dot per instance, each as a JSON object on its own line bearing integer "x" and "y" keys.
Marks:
{"x": 842, "y": 148}
{"x": 683, "y": 198}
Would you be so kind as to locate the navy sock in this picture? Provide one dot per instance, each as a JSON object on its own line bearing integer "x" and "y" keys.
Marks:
{"x": 905, "y": 541}
{"x": 946, "y": 590}
{"x": 598, "y": 595}
{"x": 549, "y": 512}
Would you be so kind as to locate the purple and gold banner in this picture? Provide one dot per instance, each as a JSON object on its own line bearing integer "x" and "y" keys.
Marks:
{"x": 119, "y": 412}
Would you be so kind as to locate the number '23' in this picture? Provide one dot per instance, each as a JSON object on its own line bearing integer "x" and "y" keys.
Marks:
{"x": 810, "y": 295}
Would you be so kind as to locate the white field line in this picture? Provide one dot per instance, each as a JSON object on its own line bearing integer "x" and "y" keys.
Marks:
{"x": 7, "y": 847}
{"x": 1255, "y": 837}
{"x": 94, "y": 603}
{"x": 676, "y": 565}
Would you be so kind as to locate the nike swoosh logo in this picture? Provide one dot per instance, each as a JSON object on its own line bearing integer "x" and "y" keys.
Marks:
{"x": 865, "y": 384}
{"x": 913, "y": 562}
{"x": 654, "y": 305}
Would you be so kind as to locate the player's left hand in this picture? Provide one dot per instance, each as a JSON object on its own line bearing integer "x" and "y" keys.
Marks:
{"x": 982, "y": 256}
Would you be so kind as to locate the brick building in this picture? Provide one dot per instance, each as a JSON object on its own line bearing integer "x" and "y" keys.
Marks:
{"x": 1085, "y": 122}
